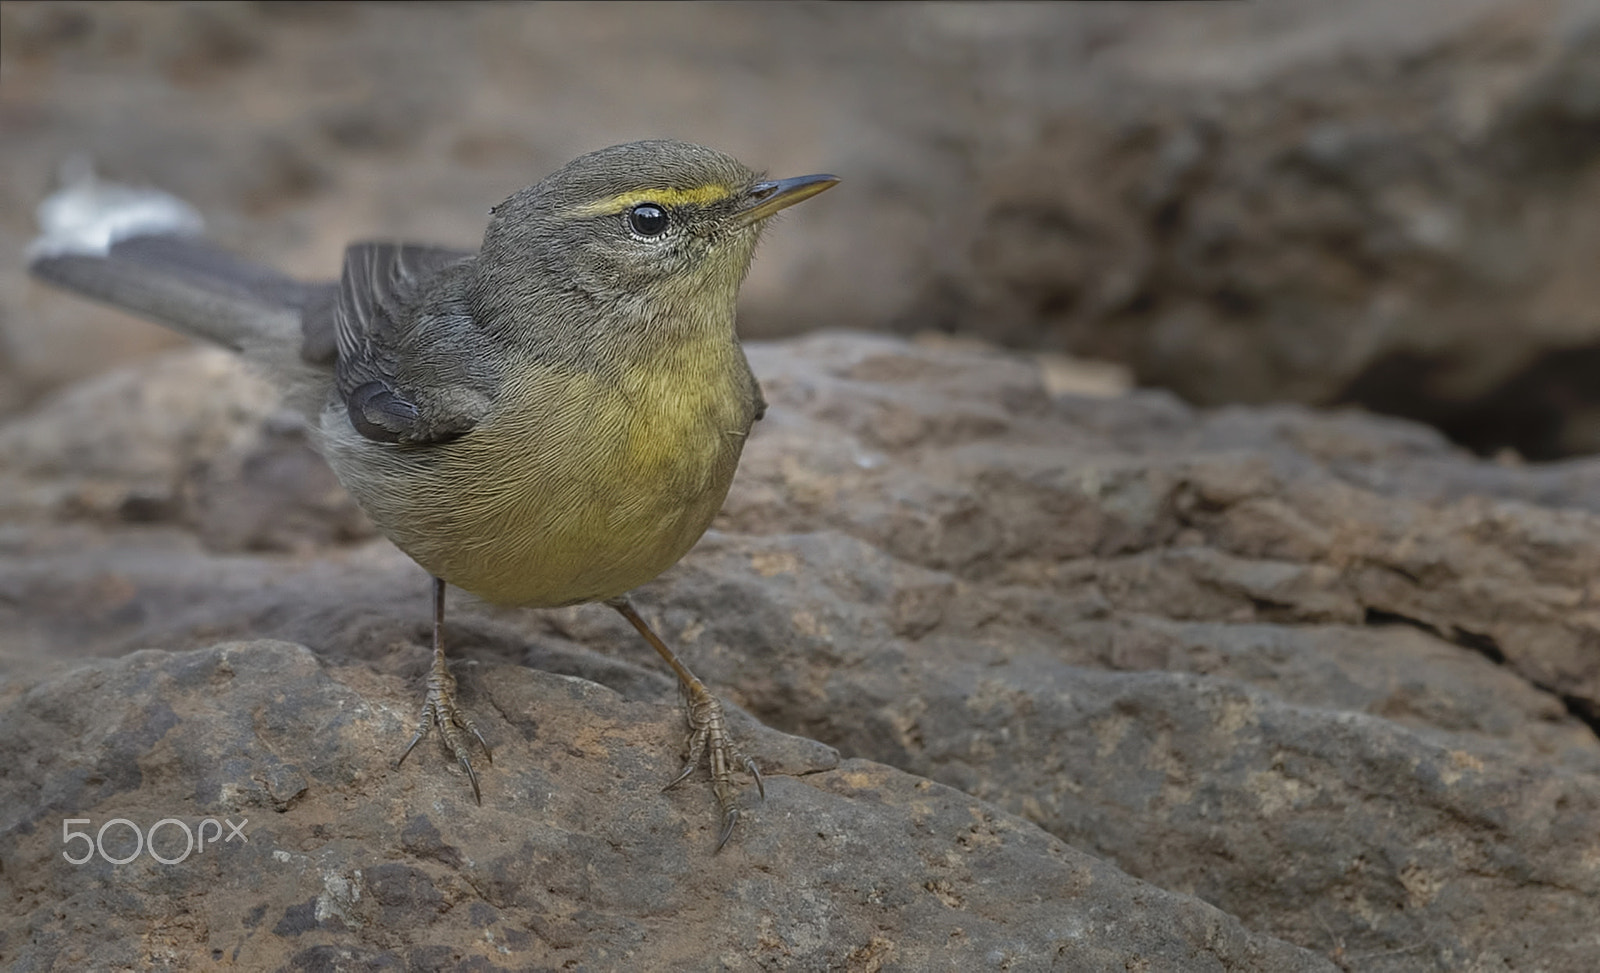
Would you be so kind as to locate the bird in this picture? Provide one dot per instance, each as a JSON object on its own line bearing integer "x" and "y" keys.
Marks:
{"x": 551, "y": 420}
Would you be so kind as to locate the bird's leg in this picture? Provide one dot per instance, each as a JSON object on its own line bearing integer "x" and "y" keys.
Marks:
{"x": 440, "y": 709}
{"x": 708, "y": 729}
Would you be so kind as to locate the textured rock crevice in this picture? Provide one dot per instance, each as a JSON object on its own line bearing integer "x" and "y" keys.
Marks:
{"x": 1380, "y": 205}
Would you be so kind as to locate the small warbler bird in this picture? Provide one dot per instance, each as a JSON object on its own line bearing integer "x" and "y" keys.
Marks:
{"x": 552, "y": 420}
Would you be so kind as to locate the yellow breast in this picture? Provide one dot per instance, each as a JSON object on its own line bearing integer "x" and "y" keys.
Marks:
{"x": 577, "y": 488}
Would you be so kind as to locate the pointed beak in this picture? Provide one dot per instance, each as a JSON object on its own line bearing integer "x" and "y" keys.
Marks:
{"x": 767, "y": 197}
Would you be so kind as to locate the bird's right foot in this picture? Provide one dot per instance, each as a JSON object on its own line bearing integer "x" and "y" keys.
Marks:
{"x": 441, "y": 710}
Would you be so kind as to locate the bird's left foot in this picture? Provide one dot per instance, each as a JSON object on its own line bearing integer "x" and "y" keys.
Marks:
{"x": 708, "y": 729}
{"x": 709, "y": 739}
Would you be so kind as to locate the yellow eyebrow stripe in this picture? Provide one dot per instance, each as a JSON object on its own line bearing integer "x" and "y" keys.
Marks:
{"x": 698, "y": 196}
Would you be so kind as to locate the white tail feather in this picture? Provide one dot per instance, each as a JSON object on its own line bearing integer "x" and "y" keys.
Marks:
{"x": 86, "y": 216}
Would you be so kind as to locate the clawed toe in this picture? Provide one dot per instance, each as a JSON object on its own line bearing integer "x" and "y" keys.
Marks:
{"x": 709, "y": 740}
{"x": 730, "y": 817}
{"x": 708, "y": 730}
{"x": 440, "y": 710}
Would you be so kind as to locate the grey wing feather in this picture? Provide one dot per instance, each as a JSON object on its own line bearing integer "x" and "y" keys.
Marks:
{"x": 410, "y": 366}
{"x": 410, "y": 363}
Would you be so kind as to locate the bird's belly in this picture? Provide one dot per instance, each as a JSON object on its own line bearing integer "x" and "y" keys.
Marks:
{"x": 529, "y": 511}
{"x": 595, "y": 539}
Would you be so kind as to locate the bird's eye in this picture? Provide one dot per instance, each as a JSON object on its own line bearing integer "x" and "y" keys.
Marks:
{"x": 648, "y": 219}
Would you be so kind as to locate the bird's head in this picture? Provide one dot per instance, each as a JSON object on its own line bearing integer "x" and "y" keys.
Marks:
{"x": 646, "y": 232}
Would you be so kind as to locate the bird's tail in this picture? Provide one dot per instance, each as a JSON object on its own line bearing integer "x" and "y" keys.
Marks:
{"x": 141, "y": 250}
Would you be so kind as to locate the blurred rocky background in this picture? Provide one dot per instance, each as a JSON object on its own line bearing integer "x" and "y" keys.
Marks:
{"x": 1386, "y": 204}
{"x": 1205, "y": 676}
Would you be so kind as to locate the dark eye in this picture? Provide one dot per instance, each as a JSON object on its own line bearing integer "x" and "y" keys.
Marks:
{"x": 648, "y": 219}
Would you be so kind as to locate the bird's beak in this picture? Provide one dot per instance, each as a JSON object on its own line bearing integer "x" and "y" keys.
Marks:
{"x": 767, "y": 197}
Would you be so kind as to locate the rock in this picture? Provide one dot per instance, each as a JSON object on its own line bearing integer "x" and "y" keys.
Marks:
{"x": 575, "y": 859}
{"x": 1377, "y": 203}
{"x": 147, "y": 446}
{"x": 1324, "y": 672}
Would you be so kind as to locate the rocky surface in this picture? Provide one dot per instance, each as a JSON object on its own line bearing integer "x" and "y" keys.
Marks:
{"x": 575, "y": 861}
{"x": 1367, "y": 201}
{"x": 1164, "y": 686}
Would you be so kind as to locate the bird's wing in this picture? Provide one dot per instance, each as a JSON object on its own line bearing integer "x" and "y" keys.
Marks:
{"x": 412, "y": 366}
